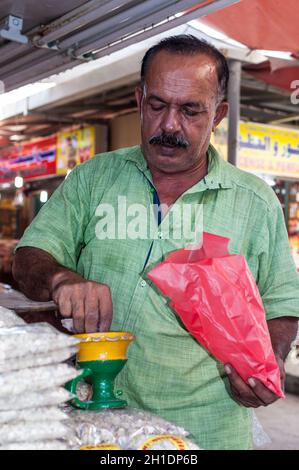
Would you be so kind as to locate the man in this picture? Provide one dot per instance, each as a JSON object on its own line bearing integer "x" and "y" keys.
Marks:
{"x": 64, "y": 256}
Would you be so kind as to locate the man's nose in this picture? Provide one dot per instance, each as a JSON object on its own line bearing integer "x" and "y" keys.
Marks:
{"x": 171, "y": 121}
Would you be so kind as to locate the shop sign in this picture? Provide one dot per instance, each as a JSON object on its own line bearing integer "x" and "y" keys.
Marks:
{"x": 30, "y": 160}
{"x": 74, "y": 147}
{"x": 263, "y": 149}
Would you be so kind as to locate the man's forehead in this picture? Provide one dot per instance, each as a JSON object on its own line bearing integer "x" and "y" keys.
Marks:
{"x": 178, "y": 71}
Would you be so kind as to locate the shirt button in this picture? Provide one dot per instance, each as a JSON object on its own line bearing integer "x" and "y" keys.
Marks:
{"x": 143, "y": 283}
{"x": 160, "y": 235}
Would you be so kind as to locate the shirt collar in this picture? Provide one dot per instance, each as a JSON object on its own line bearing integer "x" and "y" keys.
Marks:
{"x": 217, "y": 177}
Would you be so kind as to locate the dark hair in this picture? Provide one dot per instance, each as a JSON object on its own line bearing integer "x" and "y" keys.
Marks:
{"x": 186, "y": 44}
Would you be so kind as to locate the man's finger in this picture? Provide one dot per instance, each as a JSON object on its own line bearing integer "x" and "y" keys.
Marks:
{"x": 65, "y": 306}
{"x": 262, "y": 392}
{"x": 78, "y": 315}
{"x": 242, "y": 391}
{"x": 92, "y": 315}
{"x": 106, "y": 309}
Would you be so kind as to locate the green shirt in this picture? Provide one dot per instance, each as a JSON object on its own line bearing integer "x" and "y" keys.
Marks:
{"x": 168, "y": 372}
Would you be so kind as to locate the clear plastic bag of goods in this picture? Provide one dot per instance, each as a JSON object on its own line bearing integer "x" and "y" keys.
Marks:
{"x": 8, "y": 318}
{"x": 48, "y": 413}
{"x": 35, "y": 379}
{"x": 37, "y": 360}
{"x": 51, "y": 397}
{"x": 37, "y": 338}
{"x": 25, "y": 431}
{"x": 37, "y": 445}
{"x": 126, "y": 428}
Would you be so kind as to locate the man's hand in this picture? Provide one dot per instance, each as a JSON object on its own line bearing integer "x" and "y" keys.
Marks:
{"x": 252, "y": 394}
{"x": 88, "y": 303}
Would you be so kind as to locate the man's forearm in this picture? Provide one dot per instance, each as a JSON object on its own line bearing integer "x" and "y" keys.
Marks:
{"x": 283, "y": 331}
{"x": 35, "y": 270}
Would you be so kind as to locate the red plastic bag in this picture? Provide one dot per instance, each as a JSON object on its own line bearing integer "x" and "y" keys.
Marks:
{"x": 217, "y": 299}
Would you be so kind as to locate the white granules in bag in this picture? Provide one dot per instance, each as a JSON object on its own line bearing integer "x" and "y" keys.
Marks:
{"x": 37, "y": 338}
{"x": 55, "y": 396}
{"x": 50, "y": 413}
{"x": 8, "y": 318}
{"x": 36, "y": 360}
{"x": 37, "y": 445}
{"x": 36, "y": 378}
{"x": 33, "y": 431}
{"x": 125, "y": 427}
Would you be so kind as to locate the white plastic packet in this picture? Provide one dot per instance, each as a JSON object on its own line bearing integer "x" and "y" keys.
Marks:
{"x": 8, "y": 318}
{"x": 37, "y": 445}
{"x": 36, "y": 378}
{"x": 45, "y": 414}
{"x": 36, "y": 338}
{"x": 37, "y": 360}
{"x": 51, "y": 397}
{"x": 33, "y": 431}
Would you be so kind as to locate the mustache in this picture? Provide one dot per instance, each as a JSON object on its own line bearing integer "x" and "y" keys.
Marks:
{"x": 169, "y": 139}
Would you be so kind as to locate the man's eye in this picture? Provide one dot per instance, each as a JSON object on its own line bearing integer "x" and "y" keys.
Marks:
{"x": 157, "y": 107}
{"x": 190, "y": 112}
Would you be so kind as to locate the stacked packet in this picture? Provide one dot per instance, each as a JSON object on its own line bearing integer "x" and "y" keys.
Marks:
{"x": 32, "y": 375}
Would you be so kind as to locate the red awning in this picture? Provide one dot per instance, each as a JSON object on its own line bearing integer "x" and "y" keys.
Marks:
{"x": 266, "y": 25}
{"x": 286, "y": 78}
{"x": 260, "y": 24}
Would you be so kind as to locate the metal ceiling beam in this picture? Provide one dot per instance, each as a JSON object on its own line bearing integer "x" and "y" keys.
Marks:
{"x": 145, "y": 18}
{"x": 144, "y": 11}
{"x": 68, "y": 120}
{"x": 70, "y": 22}
{"x": 286, "y": 119}
{"x": 160, "y": 28}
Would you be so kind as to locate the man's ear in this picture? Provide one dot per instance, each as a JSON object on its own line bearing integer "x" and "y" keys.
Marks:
{"x": 138, "y": 96}
{"x": 221, "y": 112}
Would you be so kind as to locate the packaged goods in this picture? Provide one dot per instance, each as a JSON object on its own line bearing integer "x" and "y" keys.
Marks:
{"x": 36, "y": 378}
{"x": 8, "y": 318}
{"x": 23, "y": 431}
{"x": 37, "y": 360}
{"x": 49, "y": 413}
{"x": 127, "y": 428}
{"x": 51, "y": 397}
{"x": 161, "y": 442}
{"x": 37, "y": 338}
{"x": 37, "y": 445}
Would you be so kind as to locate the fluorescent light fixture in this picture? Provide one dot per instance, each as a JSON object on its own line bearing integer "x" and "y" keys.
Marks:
{"x": 17, "y": 137}
{"x": 5, "y": 185}
{"x": 19, "y": 182}
{"x": 43, "y": 197}
{"x": 17, "y": 127}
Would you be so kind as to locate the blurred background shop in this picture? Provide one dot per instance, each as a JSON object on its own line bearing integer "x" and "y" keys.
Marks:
{"x": 68, "y": 71}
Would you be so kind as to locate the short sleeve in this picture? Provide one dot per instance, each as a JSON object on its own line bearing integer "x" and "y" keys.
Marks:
{"x": 278, "y": 280}
{"x": 59, "y": 226}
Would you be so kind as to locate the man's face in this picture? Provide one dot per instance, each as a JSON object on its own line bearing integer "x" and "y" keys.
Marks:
{"x": 179, "y": 107}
